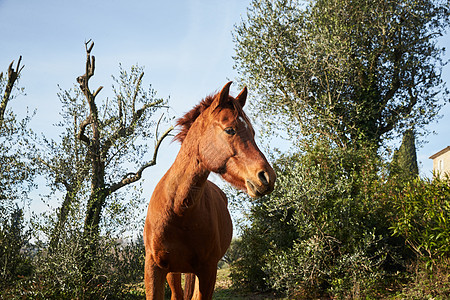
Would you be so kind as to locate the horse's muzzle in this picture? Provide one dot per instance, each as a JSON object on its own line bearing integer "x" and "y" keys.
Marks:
{"x": 263, "y": 186}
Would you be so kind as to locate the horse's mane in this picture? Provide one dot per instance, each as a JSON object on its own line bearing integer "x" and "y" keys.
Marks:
{"x": 186, "y": 121}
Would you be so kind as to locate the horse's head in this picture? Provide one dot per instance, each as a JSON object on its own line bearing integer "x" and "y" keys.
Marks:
{"x": 226, "y": 143}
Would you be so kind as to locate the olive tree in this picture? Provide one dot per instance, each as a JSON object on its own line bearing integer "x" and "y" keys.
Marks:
{"x": 350, "y": 71}
{"x": 102, "y": 150}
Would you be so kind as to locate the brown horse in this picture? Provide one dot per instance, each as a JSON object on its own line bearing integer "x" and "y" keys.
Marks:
{"x": 188, "y": 226}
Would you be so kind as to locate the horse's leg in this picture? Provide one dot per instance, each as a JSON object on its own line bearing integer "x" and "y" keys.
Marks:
{"x": 189, "y": 285}
{"x": 154, "y": 280}
{"x": 207, "y": 281}
{"x": 174, "y": 280}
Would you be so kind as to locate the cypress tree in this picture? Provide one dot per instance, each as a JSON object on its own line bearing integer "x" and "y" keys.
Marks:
{"x": 404, "y": 161}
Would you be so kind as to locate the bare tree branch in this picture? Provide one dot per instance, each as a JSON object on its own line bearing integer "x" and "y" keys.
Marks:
{"x": 83, "y": 81}
{"x": 137, "y": 115}
{"x": 12, "y": 77}
{"x": 133, "y": 177}
{"x": 123, "y": 131}
{"x": 136, "y": 91}
{"x": 81, "y": 136}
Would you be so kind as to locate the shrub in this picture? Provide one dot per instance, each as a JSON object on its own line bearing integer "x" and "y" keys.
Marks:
{"x": 324, "y": 231}
{"x": 423, "y": 217}
{"x": 58, "y": 274}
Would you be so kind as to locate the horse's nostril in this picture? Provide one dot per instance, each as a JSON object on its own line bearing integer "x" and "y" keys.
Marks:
{"x": 263, "y": 177}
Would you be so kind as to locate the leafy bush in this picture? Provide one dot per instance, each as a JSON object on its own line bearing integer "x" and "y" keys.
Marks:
{"x": 59, "y": 274}
{"x": 118, "y": 264}
{"x": 248, "y": 270}
{"x": 232, "y": 255}
{"x": 325, "y": 229}
{"x": 423, "y": 217}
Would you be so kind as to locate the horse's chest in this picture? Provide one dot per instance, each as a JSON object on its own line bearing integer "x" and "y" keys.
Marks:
{"x": 185, "y": 246}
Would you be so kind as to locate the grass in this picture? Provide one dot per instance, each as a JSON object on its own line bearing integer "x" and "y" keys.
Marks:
{"x": 223, "y": 290}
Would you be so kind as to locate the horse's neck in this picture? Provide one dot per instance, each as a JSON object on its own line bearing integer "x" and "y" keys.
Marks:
{"x": 186, "y": 180}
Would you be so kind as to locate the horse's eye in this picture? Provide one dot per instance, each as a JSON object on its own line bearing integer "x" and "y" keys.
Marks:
{"x": 230, "y": 131}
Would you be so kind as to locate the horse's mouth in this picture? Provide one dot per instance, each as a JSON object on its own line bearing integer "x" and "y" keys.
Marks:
{"x": 254, "y": 191}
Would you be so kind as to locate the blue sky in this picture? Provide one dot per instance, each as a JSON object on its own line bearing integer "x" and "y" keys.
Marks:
{"x": 185, "y": 46}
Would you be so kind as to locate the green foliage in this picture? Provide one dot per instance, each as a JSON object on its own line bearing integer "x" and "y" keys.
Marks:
{"x": 341, "y": 77}
{"x": 78, "y": 252}
{"x": 232, "y": 255}
{"x": 324, "y": 230}
{"x": 58, "y": 275}
{"x": 248, "y": 270}
{"x": 90, "y": 166}
{"x": 336, "y": 227}
{"x": 423, "y": 217}
{"x": 350, "y": 71}
{"x": 14, "y": 257}
{"x": 129, "y": 260}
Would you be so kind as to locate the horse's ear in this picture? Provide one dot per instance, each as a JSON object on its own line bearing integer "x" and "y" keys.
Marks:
{"x": 242, "y": 97}
{"x": 223, "y": 95}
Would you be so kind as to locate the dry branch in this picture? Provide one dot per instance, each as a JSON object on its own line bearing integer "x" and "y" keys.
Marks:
{"x": 83, "y": 81}
{"x": 12, "y": 77}
{"x": 133, "y": 177}
{"x": 136, "y": 91}
{"x": 123, "y": 130}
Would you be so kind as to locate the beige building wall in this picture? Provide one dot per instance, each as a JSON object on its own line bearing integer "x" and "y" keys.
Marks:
{"x": 441, "y": 162}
